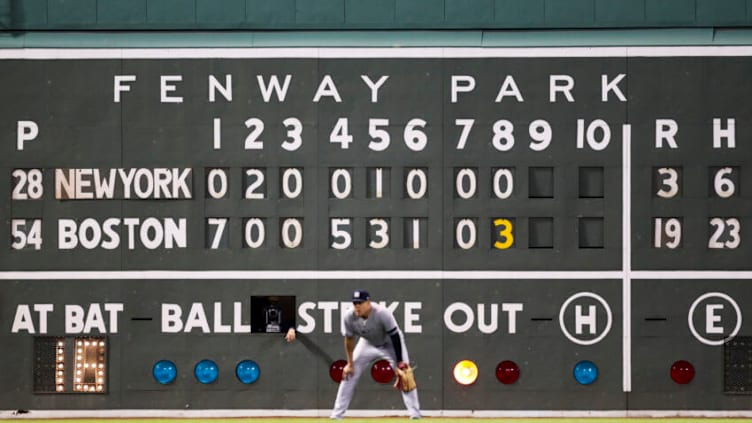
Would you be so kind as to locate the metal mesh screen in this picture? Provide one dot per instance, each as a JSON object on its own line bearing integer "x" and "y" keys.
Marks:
{"x": 45, "y": 364}
{"x": 738, "y": 366}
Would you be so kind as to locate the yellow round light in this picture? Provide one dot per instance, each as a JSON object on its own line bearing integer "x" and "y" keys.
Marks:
{"x": 465, "y": 372}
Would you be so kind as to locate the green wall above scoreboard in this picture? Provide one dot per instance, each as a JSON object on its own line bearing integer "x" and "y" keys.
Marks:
{"x": 365, "y": 14}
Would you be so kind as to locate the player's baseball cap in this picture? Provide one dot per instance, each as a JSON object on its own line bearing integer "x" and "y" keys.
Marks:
{"x": 360, "y": 295}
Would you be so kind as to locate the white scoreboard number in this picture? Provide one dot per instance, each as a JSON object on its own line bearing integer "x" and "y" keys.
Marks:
{"x": 26, "y": 233}
{"x": 724, "y": 232}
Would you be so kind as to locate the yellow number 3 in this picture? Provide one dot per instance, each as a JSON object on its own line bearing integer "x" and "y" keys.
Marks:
{"x": 505, "y": 233}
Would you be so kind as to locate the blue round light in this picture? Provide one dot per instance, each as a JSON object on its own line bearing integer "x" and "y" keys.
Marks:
{"x": 585, "y": 372}
{"x": 247, "y": 371}
{"x": 164, "y": 371}
{"x": 206, "y": 371}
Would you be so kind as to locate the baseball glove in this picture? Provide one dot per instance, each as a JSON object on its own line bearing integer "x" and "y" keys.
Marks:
{"x": 405, "y": 378}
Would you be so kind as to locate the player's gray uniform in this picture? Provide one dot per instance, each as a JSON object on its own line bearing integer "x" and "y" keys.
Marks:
{"x": 374, "y": 344}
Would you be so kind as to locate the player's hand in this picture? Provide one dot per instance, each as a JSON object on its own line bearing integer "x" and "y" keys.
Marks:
{"x": 348, "y": 370}
{"x": 290, "y": 336}
{"x": 405, "y": 377}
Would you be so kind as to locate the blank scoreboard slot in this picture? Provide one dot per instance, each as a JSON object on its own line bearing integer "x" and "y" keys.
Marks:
{"x": 591, "y": 182}
{"x": 541, "y": 182}
{"x": 541, "y": 232}
{"x": 590, "y": 232}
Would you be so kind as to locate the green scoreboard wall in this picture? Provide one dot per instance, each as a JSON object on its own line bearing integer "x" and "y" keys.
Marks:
{"x": 546, "y": 207}
{"x": 88, "y": 15}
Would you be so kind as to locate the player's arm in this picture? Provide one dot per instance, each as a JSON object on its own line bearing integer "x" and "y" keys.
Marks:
{"x": 349, "y": 348}
{"x": 396, "y": 343}
{"x": 392, "y": 329}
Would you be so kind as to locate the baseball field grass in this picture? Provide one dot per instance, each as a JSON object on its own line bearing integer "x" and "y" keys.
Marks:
{"x": 403, "y": 419}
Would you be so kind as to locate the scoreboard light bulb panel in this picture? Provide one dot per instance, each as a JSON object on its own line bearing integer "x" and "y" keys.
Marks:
{"x": 336, "y": 370}
{"x": 70, "y": 365}
{"x": 465, "y": 372}
{"x": 206, "y": 371}
{"x": 682, "y": 372}
{"x": 164, "y": 372}
{"x": 382, "y": 372}
{"x": 507, "y": 372}
{"x": 247, "y": 371}
{"x": 585, "y": 372}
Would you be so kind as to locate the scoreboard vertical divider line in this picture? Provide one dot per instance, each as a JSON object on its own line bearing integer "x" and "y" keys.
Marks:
{"x": 626, "y": 258}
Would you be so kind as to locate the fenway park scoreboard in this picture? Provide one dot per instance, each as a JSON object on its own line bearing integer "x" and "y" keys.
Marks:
{"x": 554, "y": 229}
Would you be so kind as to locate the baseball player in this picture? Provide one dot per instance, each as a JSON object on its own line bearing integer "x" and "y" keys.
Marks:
{"x": 380, "y": 338}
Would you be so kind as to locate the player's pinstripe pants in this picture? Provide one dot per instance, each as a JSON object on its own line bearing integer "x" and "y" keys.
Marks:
{"x": 363, "y": 355}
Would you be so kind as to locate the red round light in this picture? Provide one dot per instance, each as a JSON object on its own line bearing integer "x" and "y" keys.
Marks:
{"x": 507, "y": 372}
{"x": 382, "y": 371}
{"x": 682, "y": 372}
{"x": 335, "y": 370}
